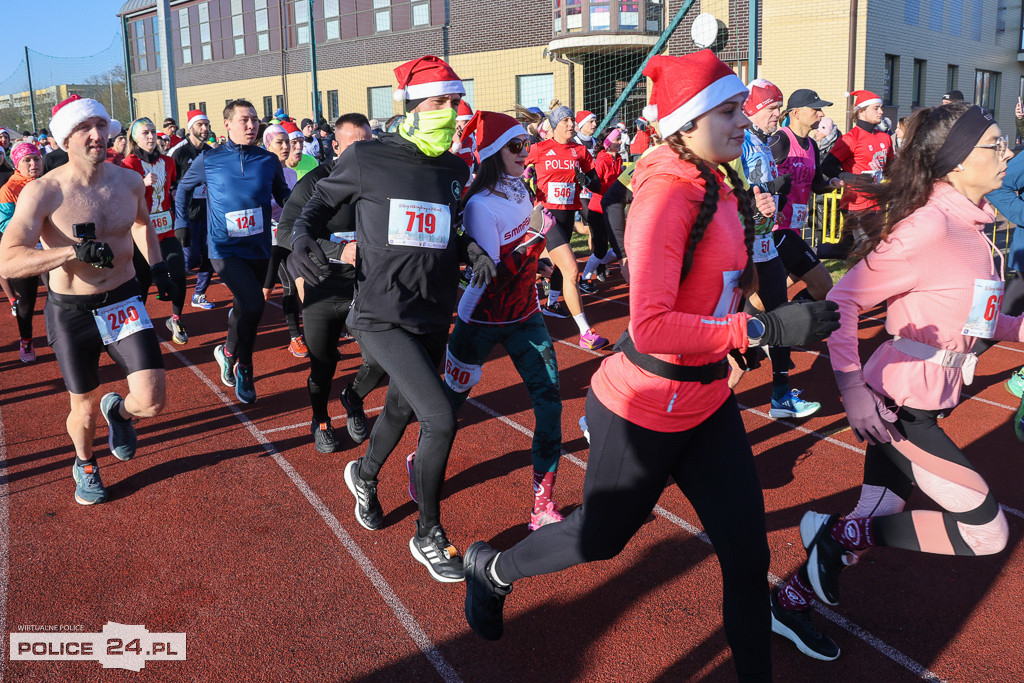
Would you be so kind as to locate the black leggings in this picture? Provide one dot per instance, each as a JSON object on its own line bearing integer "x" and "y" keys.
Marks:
{"x": 614, "y": 203}
{"x": 560, "y": 233}
{"x": 1013, "y": 305}
{"x": 628, "y": 468}
{"x": 416, "y": 389}
{"x": 245, "y": 280}
{"x": 771, "y": 289}
{"x": 174, "y": 257}
{"x": 26, "y": 289}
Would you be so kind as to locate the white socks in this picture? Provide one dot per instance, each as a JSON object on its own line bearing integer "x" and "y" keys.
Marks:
{"x": 553, "y": 296}
{"x": 581, "y": 322}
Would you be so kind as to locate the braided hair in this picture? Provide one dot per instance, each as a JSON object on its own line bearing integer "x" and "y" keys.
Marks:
{"x": 708, "y": 207}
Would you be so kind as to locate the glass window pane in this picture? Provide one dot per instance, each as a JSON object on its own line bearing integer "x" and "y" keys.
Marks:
{"x": 183, "y": 17}
{"x": 204, "y": 13}
{"x": 239, "y": 46}
{"x": 382, "y": 107}
{"x": 381, "y": 3}
{"x": 204, "y": 33}
{"x": 600, "y": 18}
{"x": 237, "y": 26}
{"x": 261, "y": 4}
{"x": 470, "y": 91}
{"x": 142, "y": 63}
{"x": 186, "y": 56}
{"x": 263, "y": 41}
{"x": 207, "y": 53}
{"x": 186, "y": 37}
{"x": 303, "y": 34}
{"x": 382, "y": 20}
{"x": 331, "y": 8}
{"x": 140, "y": 29}
{"x": 536, "y": 90}
{"x": 421, "y": 14}
{"x": 261, "y": 20}
{"x": 333, "y": 30}
{"x": 301, "y": 11}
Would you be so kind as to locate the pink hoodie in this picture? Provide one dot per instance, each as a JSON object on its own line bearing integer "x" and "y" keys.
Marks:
{"x": 926, "y": 272}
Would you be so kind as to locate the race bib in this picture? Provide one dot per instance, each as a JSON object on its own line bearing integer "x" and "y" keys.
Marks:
{"x": 799, "y": 217}
{"x": 764, "y": 248}
{"x": 988, "y": 299}
{"x": 244, "y": 223}
{"x": 199, "y": 192}
{"x": 161, "y": 222}
{"x": 121, "y": 320}
{"x": 273, "y": 233}
{"x": 461, "y": 377}
{"x": 876, "y": 176}
{"x": 562, "y": 194}
{"x": 586, "y": 194}
{"x": 729, "y": 302}
{"x": 419, "y": 224}
{"x": 342, "y": 238}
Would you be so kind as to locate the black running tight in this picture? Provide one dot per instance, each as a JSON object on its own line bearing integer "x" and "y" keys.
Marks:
{"x": 245, "y": 280}
{"x": 26, "y": 289}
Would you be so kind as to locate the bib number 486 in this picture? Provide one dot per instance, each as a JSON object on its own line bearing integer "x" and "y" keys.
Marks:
{"x": 420, "y": 222}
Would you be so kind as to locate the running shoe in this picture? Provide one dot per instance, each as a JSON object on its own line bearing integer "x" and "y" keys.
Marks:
{"x": 601, "y": 273}
{"x": 245, "y": 385}
{"x": 226, "y": 365}
{"x": 14, "y": 308}
{"x": 369, "y": 513}
{"x": 791, "y": 405}
{"x": 583, "y": 427}
{"x": 88, "y": 486}
{"x": 298, "y": 347}
{"x": 438, "y": 555}
{"x": 586, "y": 286}
{"x": 592, "y": 340}
{"x": 824, "y": 555}
{"x": 178, "y": 334}
{"x": 485, "y": 600}
{"x": 26, "y": 352}
{"x": 548, "y": 515}
{"x": 798, "y": 627}
{"x": 323, "y": 437}
{"x": 410, "y": 463}
{"x": 122, "y": 438}
{"x": 1018, "y": 422}
{"x": 356, "y": 422}
{"x": 199, "y": 301}
{"x": 558, "y": 310}
{"x": 1015, "y": 385}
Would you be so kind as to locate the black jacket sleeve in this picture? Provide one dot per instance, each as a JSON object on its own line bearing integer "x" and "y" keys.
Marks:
{"x": 340, "y": 187}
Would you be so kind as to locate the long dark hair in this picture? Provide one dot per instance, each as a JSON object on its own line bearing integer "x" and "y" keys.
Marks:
{"x": 909, "y": 177}
{"x": 709, "y": 205}
{"x": 488, "y": 174}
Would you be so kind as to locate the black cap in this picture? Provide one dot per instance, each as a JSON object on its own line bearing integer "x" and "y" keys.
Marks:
{"x": 953, "y": 96}
{"x": 306, "y": 122}
{"x": 806, "y": 98}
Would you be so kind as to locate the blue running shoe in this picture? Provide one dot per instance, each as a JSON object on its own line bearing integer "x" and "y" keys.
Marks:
{"x": 122, "y": 439}
{"x": 88, "y": 486}
{"x": 791, "y": 405}
{"x": 226, "y": 365}
{"x": 1015, "y": 385}
{"x": 1018, "y": 422}
{"x": 245, "y": 386}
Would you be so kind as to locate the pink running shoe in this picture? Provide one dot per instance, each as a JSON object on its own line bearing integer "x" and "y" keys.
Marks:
{"x": 592, "y": 340}
{"x": 26, "y": 352}
{"x": 549, "y": 515}
{"x": 409, "y": 462}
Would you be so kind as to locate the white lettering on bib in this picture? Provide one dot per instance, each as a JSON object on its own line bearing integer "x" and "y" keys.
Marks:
{"x": 562, "y": 194}
{"x": 413, "y": 223}
{"x": 161, "y": 222}
{"x": 988, "y": 299}
{"x": 244, "y": 223}
{"x": 729, "y": 302}
{"x": 799, "y": 217}
{"x": 764, "y": 248}
{"x": 121, "y": 320}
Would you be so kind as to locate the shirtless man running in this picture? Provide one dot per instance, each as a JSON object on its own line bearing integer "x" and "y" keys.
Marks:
{"x": 87, "y": 213}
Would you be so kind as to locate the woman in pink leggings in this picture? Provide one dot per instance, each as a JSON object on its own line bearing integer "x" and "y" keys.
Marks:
{"x": 927, "y": 257}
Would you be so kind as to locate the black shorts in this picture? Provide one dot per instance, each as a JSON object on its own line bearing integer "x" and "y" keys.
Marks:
{"x": 561, "y": 232}
{"x": 795, "y": 253}
{"x": 72, "y": 333}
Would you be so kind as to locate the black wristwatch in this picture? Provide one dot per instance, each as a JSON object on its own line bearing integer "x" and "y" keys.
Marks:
{"x": 755, "y": 330}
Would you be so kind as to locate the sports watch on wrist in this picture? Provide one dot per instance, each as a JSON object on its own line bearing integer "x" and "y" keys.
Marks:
{"x": 755, "y": 330}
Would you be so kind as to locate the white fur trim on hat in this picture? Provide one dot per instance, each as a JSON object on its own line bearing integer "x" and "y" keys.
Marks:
{"x": 867, "y": 103}
{"x": 420, "y": 91}
{"x": 650, "y": 112}
{"x": 706, "y": 100}
{"x": 495, "y": 147}
{"x": 72, "y": 114}
{"x": 196, "y": 119}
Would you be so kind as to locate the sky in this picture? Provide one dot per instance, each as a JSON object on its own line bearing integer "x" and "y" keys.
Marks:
{"x": 71, "y": 28}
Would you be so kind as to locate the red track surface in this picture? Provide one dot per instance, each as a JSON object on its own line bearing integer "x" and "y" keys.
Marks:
{"x": 230, "y": 527}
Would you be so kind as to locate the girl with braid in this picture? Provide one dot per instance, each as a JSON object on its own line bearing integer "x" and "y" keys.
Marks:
{"x": 662, "y": 407}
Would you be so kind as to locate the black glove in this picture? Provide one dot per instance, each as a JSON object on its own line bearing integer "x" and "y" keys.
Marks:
{"x": 484, "y": 269}
{"x": 581, "y": 177}
{"x": 798, "y": 323}
{"x": 97, "y": 254}
{"x": 307, "y": 259}
{"x": 166, "y": 290}
{"x": 780, "y": 185}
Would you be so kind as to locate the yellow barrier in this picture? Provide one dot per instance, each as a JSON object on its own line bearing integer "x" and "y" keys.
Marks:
{"x": 831, "y": 218}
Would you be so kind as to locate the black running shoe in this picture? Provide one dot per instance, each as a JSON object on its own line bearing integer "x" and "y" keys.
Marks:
{"x": 601, "y": 272}
{"x": 824, "y": 556}
{"x": 586, "y": 286}
{"x": 323, "y": 437}
{"x": 356, "y": 421}
{"x": 798, "y": 627}
{"x": 558, "y": 310}
{"x": 485, "y": 600}
{"x": 439, "y": 556}
{"x": 369, "y": 513}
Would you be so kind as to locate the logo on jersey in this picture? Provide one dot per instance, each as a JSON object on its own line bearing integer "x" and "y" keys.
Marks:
{"x": 456, "y": 189}
{"x": 550, "y": 153}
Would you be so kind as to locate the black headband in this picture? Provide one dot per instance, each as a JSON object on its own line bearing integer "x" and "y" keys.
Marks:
{"x": 962, "y": 138}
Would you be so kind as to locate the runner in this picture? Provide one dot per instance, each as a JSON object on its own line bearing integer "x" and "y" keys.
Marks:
{"x": 608, "y": 165}
{"x": 93, "y": 301}
{"x": 240, "y": 181}
{"x": 158, "y": 175}
{"x": 691, "y": 263}
{"x": 192, "y": 234}
{"x": 297, "y": 159}
{"x": 405, "y": 188}
{"x": 28, "y": 165}
{"x": 562, "y": 168}
{"x": 463, "y": 144}
{"x": 926, "y": 255}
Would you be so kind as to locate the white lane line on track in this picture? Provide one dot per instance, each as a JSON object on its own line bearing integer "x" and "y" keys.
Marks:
{"x": 401, "y": 612}
{"x": 5, "y": 549}
{"x": 371, "y": 411}
{"x": 881, "y": 646}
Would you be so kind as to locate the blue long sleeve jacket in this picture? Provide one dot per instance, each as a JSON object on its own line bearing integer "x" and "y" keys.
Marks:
{"x": 1009, "y": 202}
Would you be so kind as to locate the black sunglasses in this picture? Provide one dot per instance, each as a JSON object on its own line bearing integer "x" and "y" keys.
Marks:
{"x": 516, "y": 145}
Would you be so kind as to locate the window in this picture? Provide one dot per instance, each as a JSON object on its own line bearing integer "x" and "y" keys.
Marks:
{"x": 986, "y": 90}
{"x": 238, "y": 27}
{"x": 202, "y": 106}
{"x": 470, "y": 88}
{"x": 191, "y": 106}
{"x": 382, "y": 15}
{"x": 935, "y": 15}
{"x": 381, "y": 106}
{"x": 920, "y": 68}
{"x": 600, "y": 15}
{"x": 332, "y": 24}
{"x": 654, "y": 13}
{"x": 536, "y": 90}
{"x": 421, "y": 14}
{"x": 268, "y": 105}
{"x": 184, "y": 37}
{"x": 156, "y": 44}
{"x": 332, "y": 105}
{"x": 262, "y": 26}
{"x": 280, "y": 101}
{"x": 140, "y": 45}
{"x": 302, "y": 21}
{"x": 1001, "y": 17}
{"x": 912, "y": 12}
{"x": 952, "y": 77}
{"x": 629, "y": 15}
{"x": 204, "y": 32}
{"x": 890, "y": 80}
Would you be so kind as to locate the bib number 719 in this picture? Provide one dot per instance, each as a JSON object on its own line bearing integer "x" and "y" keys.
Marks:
{"x": 421, "y": 222}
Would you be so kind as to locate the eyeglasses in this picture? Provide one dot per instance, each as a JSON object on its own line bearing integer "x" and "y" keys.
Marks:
{"x": 1001, "y": 144}
{"x": 516, "y": 145}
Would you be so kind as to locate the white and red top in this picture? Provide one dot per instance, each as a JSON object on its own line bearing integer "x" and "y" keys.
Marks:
{"x": 158, "y": 195}
{"x": 609, "y": 168}
{"x": 862, "y": 152}
{"x": 556, "y": 165}
{"x": 801, "y": 166}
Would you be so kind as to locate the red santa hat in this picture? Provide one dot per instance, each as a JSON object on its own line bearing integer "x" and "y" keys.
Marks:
{"x": 195, "y": 116}
{"x": 698, "y": 82}
{"x": 762, "y": 94}
{"x": 71, "y": 112}
{"x": 864, "y": 98}
{"x": 465, "y": 112}
{"x": 584, "y": 116}
{"x": 292, "y": 130}
{"x": 492, "y": 131}
{"x": 425, "y": 77}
